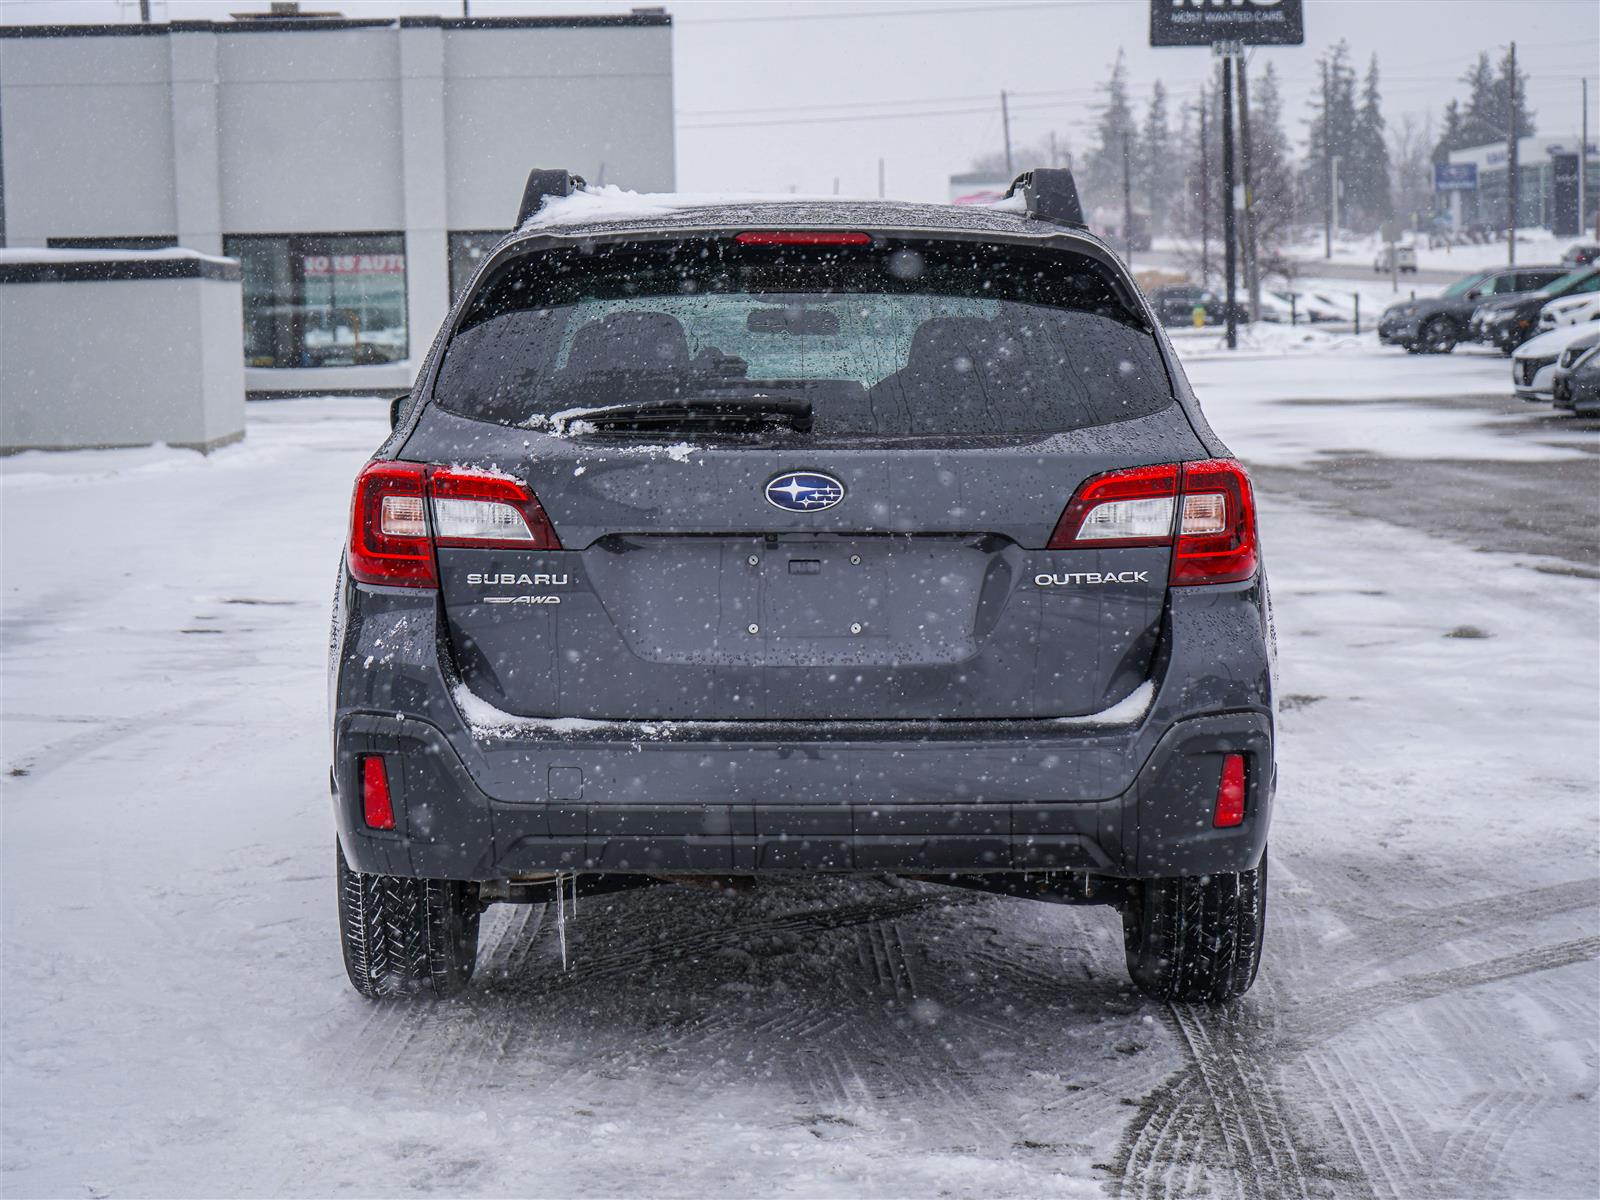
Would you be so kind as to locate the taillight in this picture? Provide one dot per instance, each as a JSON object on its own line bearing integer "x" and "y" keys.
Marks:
{"x": 1217, "y": 526}
{"x": 471, "y": 509}
{"x": 402, "y": 511}
{"x": 1121, "y": 508}
{"x": 1204, "y": 510}
{"x": 389, "y": 527}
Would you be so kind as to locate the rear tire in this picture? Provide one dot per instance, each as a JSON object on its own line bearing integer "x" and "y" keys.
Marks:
{"x": 405, "y": 937}
{"x": 1197, "y": 939}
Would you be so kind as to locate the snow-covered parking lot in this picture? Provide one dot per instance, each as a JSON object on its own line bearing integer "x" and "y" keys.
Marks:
{"x": 177, "y": 1022}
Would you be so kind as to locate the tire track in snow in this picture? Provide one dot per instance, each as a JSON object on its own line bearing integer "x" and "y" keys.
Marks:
{"x": 1222, "y": 1062}
{"x": 1391, "y": 937}
{"x": 484, "y": 1037}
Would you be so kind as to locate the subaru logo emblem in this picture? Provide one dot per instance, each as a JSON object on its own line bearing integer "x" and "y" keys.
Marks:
{"x": 804, "y": 491}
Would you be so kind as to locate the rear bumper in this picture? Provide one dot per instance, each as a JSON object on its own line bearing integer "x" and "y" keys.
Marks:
{"x": 1131, "y": 800}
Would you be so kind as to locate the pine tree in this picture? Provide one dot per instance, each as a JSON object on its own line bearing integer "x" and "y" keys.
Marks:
{"x": 1271, "y": 166}
{"x": 1487, "y": 118}
{"x": 1157, "y": 170}
{"x": 1483, "y": 122}
{"x": 1450, "y": 133}
{"x": 1115, "y": 136}
{"x": 1370, "y": 199}
{"x": 1522, "y": 119}
{"x": 1332, "y": 129}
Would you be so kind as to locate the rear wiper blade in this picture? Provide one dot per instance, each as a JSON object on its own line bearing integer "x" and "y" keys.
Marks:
{"x": 700, "y": 412}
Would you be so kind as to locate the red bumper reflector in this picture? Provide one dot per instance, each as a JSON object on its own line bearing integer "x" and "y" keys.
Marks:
{"x": 1230, "y": 793}
{"x": 376, "y": 806}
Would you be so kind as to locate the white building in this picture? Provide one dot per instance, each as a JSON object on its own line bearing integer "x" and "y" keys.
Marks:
{"x": 355, "y": 168}
{"x": 1536, "y": 204}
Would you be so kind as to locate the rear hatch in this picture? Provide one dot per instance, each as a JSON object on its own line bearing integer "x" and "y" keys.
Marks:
{"x": 811, "y": 476}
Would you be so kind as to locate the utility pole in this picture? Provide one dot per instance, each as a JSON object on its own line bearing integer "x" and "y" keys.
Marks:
{"x": 1511, "y": 160}
{"x": 1127, "y": 194}
{"x": 1228, "y": 232}
{"x": 1252, "y": 278}
{"x": 1005, "y": 124}
{"x": 1327, "y": 170}
{"x": 880, "y": 179}
{"x": 144, "y": 11}
{"x": 1205, "y": 195}
{"x": 1583, "y": 163}
{"x": 1337, "y": 159}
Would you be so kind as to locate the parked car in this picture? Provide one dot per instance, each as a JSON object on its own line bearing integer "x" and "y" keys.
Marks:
{"x": 744, "y": 540}
{"x": 1507, "y": 322}
{"x": 1437, "y": 325}
{"x": 1582, "y": 254}
{"x": 1533, "y": 366}
{"x": 1569, "y": 310}
{"x": 1401, "y": 258}
{"x": 1175, "y": 305}
{"x": 1577, "y": 382}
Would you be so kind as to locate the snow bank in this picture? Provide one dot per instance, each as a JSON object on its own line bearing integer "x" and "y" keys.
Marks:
{"x": 41, "y": 255}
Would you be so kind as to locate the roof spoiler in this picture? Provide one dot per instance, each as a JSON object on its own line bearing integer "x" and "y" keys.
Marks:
{"x": 542, "y": 184}
{"x": 1050, "y": 195}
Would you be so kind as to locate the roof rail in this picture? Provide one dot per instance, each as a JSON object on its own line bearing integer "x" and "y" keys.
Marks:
{"x": 1050, "y": 195}
{"x": 542, "y": 184}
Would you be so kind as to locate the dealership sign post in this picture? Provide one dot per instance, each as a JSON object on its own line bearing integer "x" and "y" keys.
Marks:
{"x": 1228, "y": 26}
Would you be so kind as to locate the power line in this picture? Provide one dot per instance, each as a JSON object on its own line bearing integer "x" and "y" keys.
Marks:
{"x": 1063, "y": 93}
{"x": 875, "y": 14}
{"x": 842, "y": 118}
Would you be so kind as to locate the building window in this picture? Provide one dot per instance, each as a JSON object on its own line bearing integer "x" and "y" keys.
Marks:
{"x": 157, "y": 242}
{"x": 322, "y": 300}
{"x": 467, "y": 250}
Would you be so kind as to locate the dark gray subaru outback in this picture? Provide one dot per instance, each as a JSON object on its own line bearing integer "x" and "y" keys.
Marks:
{"x": 789, "y": 537}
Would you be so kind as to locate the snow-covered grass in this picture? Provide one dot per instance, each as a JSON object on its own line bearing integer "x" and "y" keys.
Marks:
{"x": 1289, "y": 395}
{"x": 1534, "y": 247}
{"x": 175, "y": 1016}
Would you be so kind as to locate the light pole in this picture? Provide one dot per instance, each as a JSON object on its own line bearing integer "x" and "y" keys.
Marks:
{"x": 1512, "y": 182}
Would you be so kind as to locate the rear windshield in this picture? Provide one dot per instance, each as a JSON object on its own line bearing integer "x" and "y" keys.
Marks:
{"x": 923, "y": 339}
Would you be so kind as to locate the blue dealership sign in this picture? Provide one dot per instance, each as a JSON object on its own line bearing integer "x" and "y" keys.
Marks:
{"x": 1455, "y": 177}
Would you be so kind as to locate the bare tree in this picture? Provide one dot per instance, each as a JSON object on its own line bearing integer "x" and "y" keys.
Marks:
{"x": 1411, "y": 147}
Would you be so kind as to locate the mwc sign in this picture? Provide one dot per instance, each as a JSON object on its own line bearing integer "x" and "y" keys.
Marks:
{"x": 1207, "y": 22}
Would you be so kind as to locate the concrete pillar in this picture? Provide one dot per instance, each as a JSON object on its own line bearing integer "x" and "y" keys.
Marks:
{"x": 196, "y": 174}
{"x": 422, "y": 156}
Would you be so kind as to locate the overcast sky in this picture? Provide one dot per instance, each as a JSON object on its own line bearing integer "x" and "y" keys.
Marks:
{"x": 773, "y": 95}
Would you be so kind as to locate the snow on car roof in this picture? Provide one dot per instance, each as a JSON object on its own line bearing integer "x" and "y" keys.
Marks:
{"x": 610, "y": 209}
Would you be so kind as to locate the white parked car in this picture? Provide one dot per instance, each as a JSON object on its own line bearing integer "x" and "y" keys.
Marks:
{"x": 1405, "y": 259}
{"x": 1569, "y": 310}
{"x": 1533, "y": 365}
